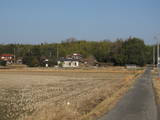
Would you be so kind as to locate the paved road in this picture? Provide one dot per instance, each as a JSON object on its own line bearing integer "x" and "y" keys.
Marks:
{"x": 138, "y": 103}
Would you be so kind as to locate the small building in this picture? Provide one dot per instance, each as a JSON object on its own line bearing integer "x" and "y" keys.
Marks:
{"x": 9, "y": 58}
{"x": 72, "y": 60}
{"x": 46, "y": 62}
{"x": 66, "y": 63}
{"x": 19, "y": 60}
{"x": 131, "y": 66}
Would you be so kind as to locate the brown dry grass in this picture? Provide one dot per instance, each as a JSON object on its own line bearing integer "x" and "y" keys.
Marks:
{"x": 156, "y": 85}
{"x": 61, "y": 94}
{"x": 108, "y": 69}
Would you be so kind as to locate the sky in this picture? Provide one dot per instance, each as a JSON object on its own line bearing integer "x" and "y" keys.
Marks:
{"x": 51, "y": 21}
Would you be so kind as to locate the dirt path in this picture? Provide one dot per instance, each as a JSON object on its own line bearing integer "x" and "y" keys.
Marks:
{"x": 138, "y": 103}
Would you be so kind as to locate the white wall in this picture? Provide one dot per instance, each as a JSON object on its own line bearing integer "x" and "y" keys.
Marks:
{"x": 71, "y": 64}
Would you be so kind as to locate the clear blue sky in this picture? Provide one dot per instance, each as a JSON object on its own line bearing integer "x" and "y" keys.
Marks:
{"x": 36, "y": 21}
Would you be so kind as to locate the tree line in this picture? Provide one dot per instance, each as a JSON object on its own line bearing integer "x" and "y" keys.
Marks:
{"x": 120, "y": 52}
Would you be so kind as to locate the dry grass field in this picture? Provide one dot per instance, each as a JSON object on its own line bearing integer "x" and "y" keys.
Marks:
{"x": 46, "y": 94}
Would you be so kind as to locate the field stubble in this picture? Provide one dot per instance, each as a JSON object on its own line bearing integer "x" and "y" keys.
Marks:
{"x": 61, "y": 95}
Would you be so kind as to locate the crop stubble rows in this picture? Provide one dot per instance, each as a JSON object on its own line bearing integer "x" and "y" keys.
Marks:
{"x": 22, "y": 94}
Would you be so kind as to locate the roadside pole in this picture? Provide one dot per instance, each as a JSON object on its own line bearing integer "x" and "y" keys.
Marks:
{"x": 153, "y": 55}
{"x": 158, "y": 58}
{"x": 57, "y": 52}
{"x": 14, "y": 55}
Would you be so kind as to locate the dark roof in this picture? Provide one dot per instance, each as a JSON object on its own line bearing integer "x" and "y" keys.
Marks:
{"x": 67, "y": 59}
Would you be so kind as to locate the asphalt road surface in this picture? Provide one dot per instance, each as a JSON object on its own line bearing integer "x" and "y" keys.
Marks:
{"x": 138, "y": 104}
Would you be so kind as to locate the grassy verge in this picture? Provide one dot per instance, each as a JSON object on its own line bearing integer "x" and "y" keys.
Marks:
{"x": 110, "y": 101}
{"x": 157, "y": 89}
{"x": 156, "y": 85}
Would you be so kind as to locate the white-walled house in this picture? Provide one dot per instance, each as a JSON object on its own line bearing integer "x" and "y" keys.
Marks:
{"x": 72, "y": 60}
{"x": 66, "y": 63}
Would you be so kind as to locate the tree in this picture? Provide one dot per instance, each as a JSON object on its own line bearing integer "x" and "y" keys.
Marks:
{"x": 116, "y": 53}
{"x": 31, "y": 61}
{"x": 134, "y": 51}
{"x": 130, "y": 51}
{"x": 34, "y": 62}
{"x": 149, "y": 54}
{"x": 70, "y": 40}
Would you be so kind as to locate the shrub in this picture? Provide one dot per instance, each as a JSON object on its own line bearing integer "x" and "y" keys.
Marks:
{"x": 3, "y": 63}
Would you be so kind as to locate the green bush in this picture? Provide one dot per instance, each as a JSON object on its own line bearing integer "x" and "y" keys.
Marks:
{"x": 2, "y": 63}
{"x": 31, "y": 61}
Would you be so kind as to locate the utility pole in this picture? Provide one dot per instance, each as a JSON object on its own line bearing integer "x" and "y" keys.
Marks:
{"x": 50, "y": 54}
{"x": 57, "y": 52}
{"x": 158, "y": 60}
{"x": 153, "y": 55}
{"x": 14, "y": 55}
{"x": 158, "y": 57}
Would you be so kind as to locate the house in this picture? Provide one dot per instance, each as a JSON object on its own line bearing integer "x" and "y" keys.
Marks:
{"x": 72, "y": 60}
{"x": 44, "y": 61}
{"x": 89, "y": 61}
{"x": 9, "y": 58}
{"x": 76, "y": 60}
{"x": 68, "y": 63}
{"x": 19, "y": 60}
{"x": 75, "y": 56}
